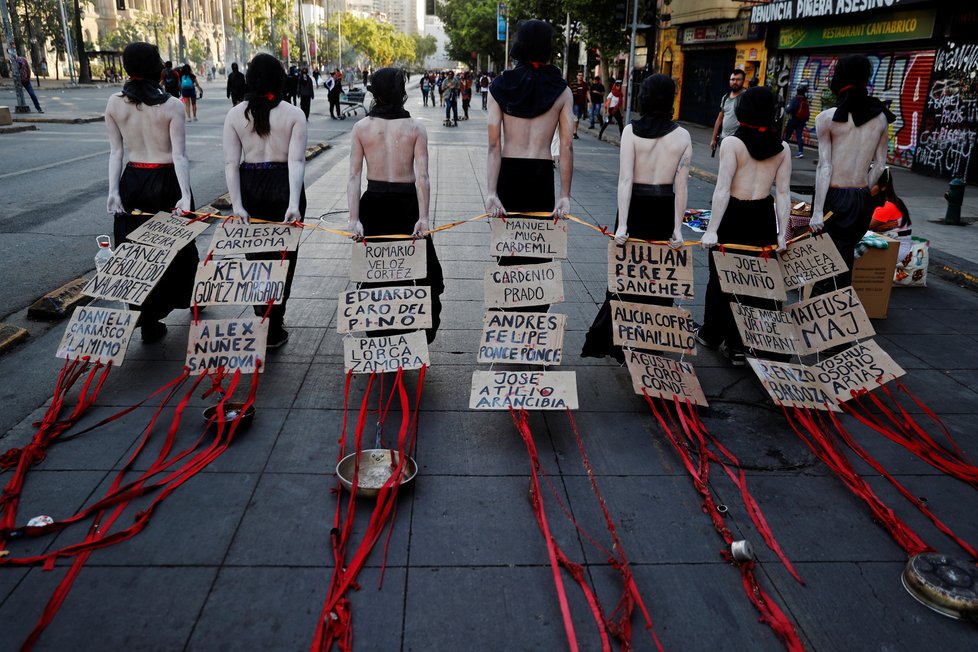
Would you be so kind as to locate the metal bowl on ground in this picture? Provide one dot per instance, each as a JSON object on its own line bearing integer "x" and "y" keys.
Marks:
{"x": 376, "y": 466}
{"x": 945, "y": 583}
{"x": 231, "y": 412}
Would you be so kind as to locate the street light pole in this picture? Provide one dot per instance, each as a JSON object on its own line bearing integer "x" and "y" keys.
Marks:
{"x": 631, "y": 65}
{"x": 10, "y": 53}
{"x": 71, "y": 59}
{"x": 180, "y": 31}
{"x": 244, "y": 43}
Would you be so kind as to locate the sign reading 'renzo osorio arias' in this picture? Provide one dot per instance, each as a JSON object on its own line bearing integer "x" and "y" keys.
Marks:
{"x": 364, "y": 355}
{"x": 130, "y": 274}
{"x": 527, "y": 236}
{"x": 752, "y": 276}
{"x": 650, "y": 270}
{"x": 240, "y": 282}
{"x": 793, "y": 385}
{"x": 658, "y": 328}
{"x": 522, "y": 338}
{"x": 375, "y": 262}
{"x": 829, "y": 320}
{"x": 253, "y": 238}
{"x": 99, "y": 334}
{"x": 395, "y": 307}
{"x": 810, "y": 260}
{"x": 167, "y": 231}
{"x": 231, "y": 344}
{"x": 524, "y": 285}
{"x": 529, "y": 390}
{"x": 664, "y": 378}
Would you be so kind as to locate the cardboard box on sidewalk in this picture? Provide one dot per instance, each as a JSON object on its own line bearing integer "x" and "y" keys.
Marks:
{"x": 5, "y": 117}
{"x": 872, "y": 278}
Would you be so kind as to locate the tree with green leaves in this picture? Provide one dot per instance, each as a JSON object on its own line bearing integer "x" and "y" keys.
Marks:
{"x": 424, "y": 47}
{"x": 127, "y": 32}
{"x": 471, "y": 27}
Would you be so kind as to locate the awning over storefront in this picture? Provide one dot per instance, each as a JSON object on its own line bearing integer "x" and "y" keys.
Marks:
{"x": 695, "y": 11}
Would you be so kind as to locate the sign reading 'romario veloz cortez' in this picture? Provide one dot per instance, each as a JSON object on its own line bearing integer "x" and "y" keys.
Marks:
{"x": 240, "y": 282}
{"x": 364, "y": 355}
{"x": 528, "y": 236}
{"x": 529, "y": 390}
{"x": 99, "y": 334}
{"x": 167, "y": 231}
{"x": 373, "y": 262}
{"x": 252, "y": 238}
{"x": 752, "y": 276}
{"x": 229, "y": 344}
{"x": 656, "y": 328}
{"x": 810, "y": 260}
{"x": 793, "y": 385}
{"x": 664, "y": 378}
{"x": 524, "y": 285}
{"x": 522, "y": 337}
{"x": 829, "y": 320}
{"x": 863, "y": 366}
{"x": 650, "y": 270}
{"x": 765, "y": 330}
{"x": 130, "y": 274}
{"x": 396, "y": 307}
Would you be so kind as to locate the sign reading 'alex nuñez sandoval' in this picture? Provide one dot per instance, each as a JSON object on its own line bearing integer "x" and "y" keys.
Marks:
{"x": 231, "y": 344}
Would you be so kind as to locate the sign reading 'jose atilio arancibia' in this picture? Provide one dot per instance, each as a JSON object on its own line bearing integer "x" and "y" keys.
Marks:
{"x": 529, "y": 390}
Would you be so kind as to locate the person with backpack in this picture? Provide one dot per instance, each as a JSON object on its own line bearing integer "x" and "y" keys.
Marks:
{"x": 189, "y": 87}
{"x": 425, "y": 89}
{"x": 170, "y": 79}
{"x": 25, "y": 81}
{"x": 484, "y": 89}
{"x": 799, "y": 110}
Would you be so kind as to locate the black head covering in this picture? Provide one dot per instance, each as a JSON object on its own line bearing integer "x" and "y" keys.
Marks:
{"x": 265, "y": 80}
{"x": 144, "y": 66}
{"x": 755, "y": 111}
{"x": 388, "y": 88}
{"x": 655, "y": 98}
{"x": 849, "y": 84}
{"x": 532, "y": 87}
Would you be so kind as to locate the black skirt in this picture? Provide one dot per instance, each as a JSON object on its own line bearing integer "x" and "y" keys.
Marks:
{"x": 526, "y": 185}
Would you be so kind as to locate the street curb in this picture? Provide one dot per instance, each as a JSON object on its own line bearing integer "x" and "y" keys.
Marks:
{"x": 57, "y": 304}
{"x": 11, "y": 336}
{"x": 62, "y": 121}
{"x": 14, "y": 129}
{"x": 315, "y": 150}
{"x": 705, "y": 175}
{"x": 957, "y": 270}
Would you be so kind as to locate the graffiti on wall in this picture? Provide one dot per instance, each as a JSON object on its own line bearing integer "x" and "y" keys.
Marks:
{"x": 950, "y": 122}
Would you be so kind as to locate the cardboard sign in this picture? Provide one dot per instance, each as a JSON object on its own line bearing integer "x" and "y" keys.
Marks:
{"x": 234, "y": 344}
{"x": 130, "y": 274}
{"x": 810, "y": 260}
{"x": 99, "y": 334}
{"x": 166, "y": 231}
{"x": 829, "y": 320}
{"x": 765, "y": 330}
{"x": 524, "y": 285}
{"x": 650, "y": 270}
{"x": 664, "y": 377}
{"x": 655, "y": 328}
{"x": 400, "y": 307}
{"x": 388, "y": 261}
{"x": 522, "y": 337}
{"x": 240, "y": 282}
{"x": 529, "y": 390}
{"x": 864, "y": 366}
{"x": 527, "y": 236}
{"x": 750, "y": 276}
{"x": 365, "y": 355}
{"x": 793, "y": 385}
{"x": 235, "y": 238}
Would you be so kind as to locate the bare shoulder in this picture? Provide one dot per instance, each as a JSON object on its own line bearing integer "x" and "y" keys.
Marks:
{"x": 419, "y": 128}
{"x": 825, "y": 116}
{"x": 681, "y": 136}
{"x": 112, "y": 105}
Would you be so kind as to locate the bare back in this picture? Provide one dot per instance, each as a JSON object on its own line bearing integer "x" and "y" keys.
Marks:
{"x": 752, "y": 179}
{"x": 851, "y": 148}
{"x": 657, "y": 159}
{"x": 145, "y": 130}
{"x": 531, "y": 137}
{"x": 274, "y": 147}
{"x": 389, "y": 147}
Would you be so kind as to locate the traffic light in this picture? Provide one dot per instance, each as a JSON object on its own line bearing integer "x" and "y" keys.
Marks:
{"x": 621, "y": 11}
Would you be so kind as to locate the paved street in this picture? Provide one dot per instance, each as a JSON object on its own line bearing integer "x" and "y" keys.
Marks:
{"x": 238, "y": 558}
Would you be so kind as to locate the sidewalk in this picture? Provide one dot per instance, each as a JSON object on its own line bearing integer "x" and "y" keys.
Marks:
{"x": 238, "y": 558}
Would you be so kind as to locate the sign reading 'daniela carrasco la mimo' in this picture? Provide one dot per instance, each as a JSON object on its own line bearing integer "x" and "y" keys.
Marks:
{"x": 794, "y": 9}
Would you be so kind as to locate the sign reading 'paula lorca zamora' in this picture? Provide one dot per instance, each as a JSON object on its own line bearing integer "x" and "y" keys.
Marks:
{"x": 376, "y": 262}
{"x": 167, "y": 231}
{"x": 751, "y": 276}
{"x": 529, "y": 390}
{"x": 229, "y": 344}
{"x": 240, "y": 282}
{"x": 650, "y": 270}
{"x": 99, "y": 334}
{"x": 524, "y": 285}
{"x": 395, "y": 307}
{"x": 657, "y": 328}
{"x": 664, "y": 378}
{"x": 364, "y": 355}
{"x": 253, "y": 238}
{"x": 527, "y": 236}
{"x": 522, "y": 337}
{"x": 130, "y": 274}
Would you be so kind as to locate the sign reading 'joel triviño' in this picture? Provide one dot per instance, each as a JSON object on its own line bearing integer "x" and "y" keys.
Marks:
{"x": 793, "y": 385}
{"x": 650, "y": 270}
{"x": 529, "y": 390}
{"x": 375, "y": 262}
{"x": 522, "y": 337}
{"x": 658, "y": 328}
{"x": 240, "y": 282}
{"x": 664, "y": 378}
{"x": 364, "y": 355}
{"x": 829, "y": 320}
{"x": 167, "y": 231}
{"x": 810, "y": 260}
{"x": 130, "y": 274}
{"x": 524, "y": 285}
{"x": 231, "y": 344}
{"x": 253, "y": 238}
{"x": 751, "y": 276}
{"x": 528, "y": 236}
{"x": 395, "y": 307}
{"x": 99, "y": 334}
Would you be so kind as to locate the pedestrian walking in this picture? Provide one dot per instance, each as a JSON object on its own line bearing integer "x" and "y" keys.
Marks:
{"x": 579, "y": 89}
{"x": 236, "y": 85}
{"x": 450, "y": 90}
{"x": 597, "y": 100}
{"x": 425, "y": 85}
{"x": 799, "y": 110}
{"x": 291, "y": 92}
{"x": 726, "y": 122}
{"x": 170, "y": 79}
{"x": 190, "y": 91}
{"x": 305, "y": 90}
{"x": 334, "y": 87}
{"x": 441, "y": 91}
{"x": 264, "y": 156}
{"x": 466, "y": 85}
{"x": 613, "y": 109}
{"x": 315, "y": 76}
{"x": 484, "y": 89}
{"x": 25, "y": 81}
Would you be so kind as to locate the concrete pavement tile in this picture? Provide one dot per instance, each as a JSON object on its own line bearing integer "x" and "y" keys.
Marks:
{"x": 941, "y": 352}
{"x": 896, "y": 346}
{"x": 138, "y": 379}
{"x": 110, "y": 609}
{"x": 315, "y": 313}
{"x": 284, "y": 606}
{"x": 944, "y": 392}
{"x": 464, "y": 313}
{"x": 172, "y": 347}
{"x": 309, "y": 442}
{"x": 303, "y": 343}
{"x": 447, "y": 388}
{"x": 473, "y": 254}
{"x": 961, "y": 321}
{"x": 463, "y": 289}
{"x": 758, "y": 436}
{"x": 457, "y": 341}
{"x": 912, "y": 320}
{"x": 319, "y": 287}
{"x": 323, "y": 386}
{"x": 940, "y": 296}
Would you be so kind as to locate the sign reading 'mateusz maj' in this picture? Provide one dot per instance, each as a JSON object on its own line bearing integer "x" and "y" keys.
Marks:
{"x": 529, "y": 390}
{"x": 522, "y": 337}
{"x": 130, "y": 274}
{"x": 252, "y": 238}
{"x": 395, "y": 307}
{"x": 231, "y": 344}
{"x": 167, "y": 231}
{"x": 650, "y": 270}
{"x": 528, "y": 236}
{"x": 524, "y": 285}
{"x": 240, "y": 282}
{"x": 99, "y": 334}
{"x": 829, "y": 320}
{"x": 365, "y": 355}
{"x": 376, "y": 262}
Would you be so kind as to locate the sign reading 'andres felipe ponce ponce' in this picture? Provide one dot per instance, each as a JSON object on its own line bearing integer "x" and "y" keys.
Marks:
{"x": 99, "y": 334}
{"x": 240, "y": 282}
{"x": 529, "y": 390}
{"x": 167, "y": 231}
{"x": 130, "y": 274}
{"x": 376, "y": 262}
{"x": 528, "y": 236}
{"x": 522, "y": 338}
{"x": 650, "y": 270}
{"x": 524, "y": 285}
{"x": 253, "y": 238}
{"x": 231, "y": 344}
